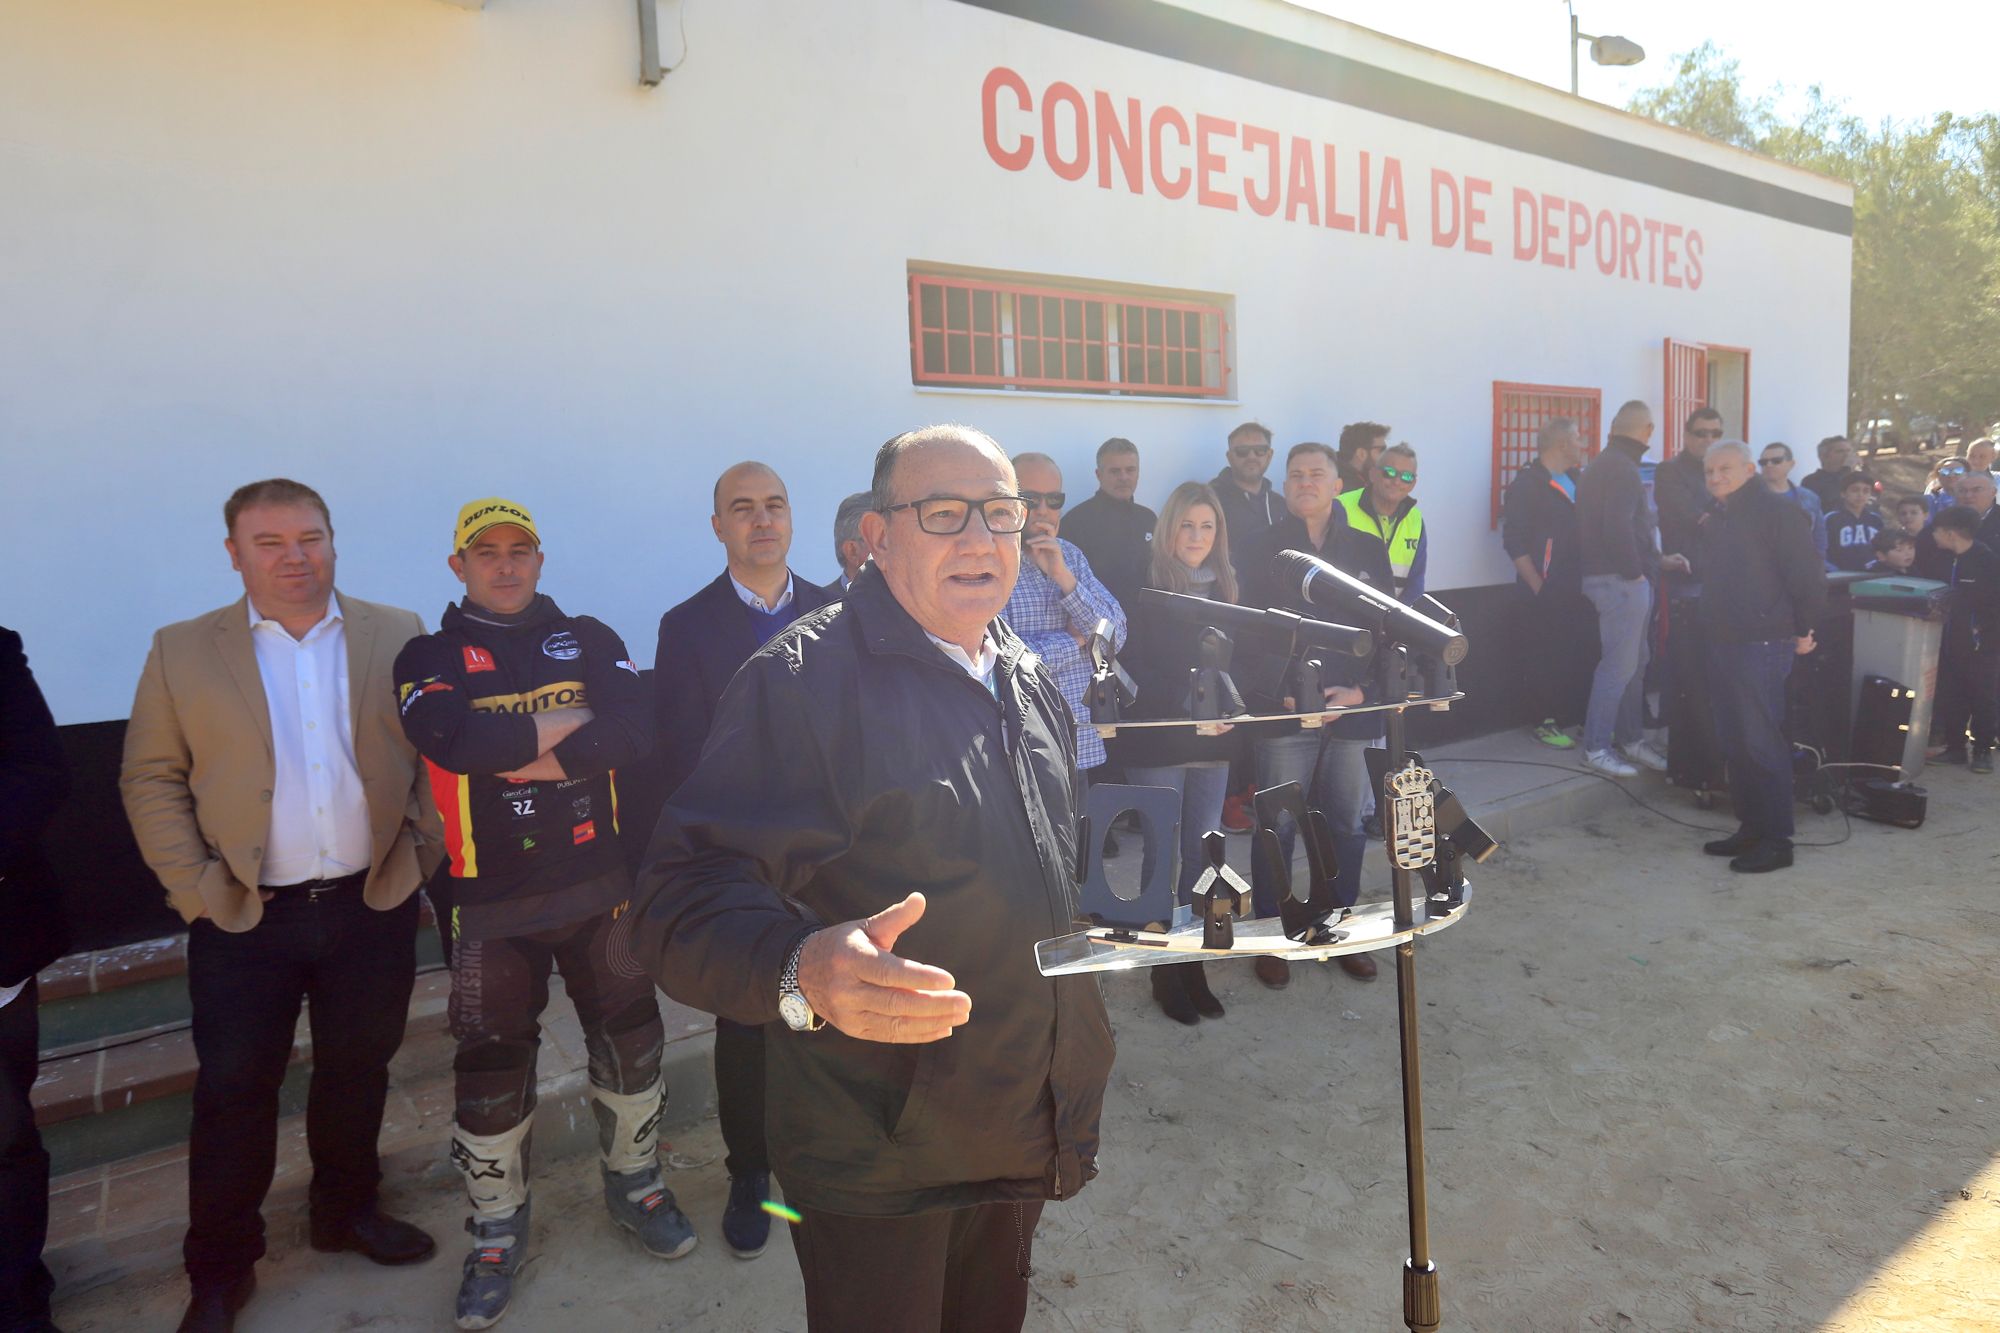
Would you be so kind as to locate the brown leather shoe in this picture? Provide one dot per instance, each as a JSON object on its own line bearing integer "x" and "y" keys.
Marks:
{"x": 1273, "y": 972}
{"x": 1358, "y": 965}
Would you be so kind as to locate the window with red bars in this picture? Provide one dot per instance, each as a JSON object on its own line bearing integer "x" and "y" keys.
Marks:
{"x": 1014, "y": 332}
{"x": 1519, "y": 411}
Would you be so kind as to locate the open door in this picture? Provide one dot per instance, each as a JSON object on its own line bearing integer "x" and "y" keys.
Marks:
{"x": 1729, "y": 390}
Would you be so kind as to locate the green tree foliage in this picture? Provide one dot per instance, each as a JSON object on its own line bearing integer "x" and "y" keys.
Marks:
{"x": 1925, "y": 333}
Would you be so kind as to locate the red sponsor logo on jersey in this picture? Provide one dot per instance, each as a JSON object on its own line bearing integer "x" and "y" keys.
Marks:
{"x": 583, "y": 832}
{"x": 478, "y": 659}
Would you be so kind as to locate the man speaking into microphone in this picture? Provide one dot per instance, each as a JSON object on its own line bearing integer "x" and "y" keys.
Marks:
{"x": 881, "y": 828}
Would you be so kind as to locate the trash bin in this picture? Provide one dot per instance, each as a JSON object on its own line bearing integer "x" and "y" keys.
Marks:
{"x": 1898, "y": 622}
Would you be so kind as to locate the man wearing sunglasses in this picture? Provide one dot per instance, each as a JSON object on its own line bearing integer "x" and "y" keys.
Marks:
{"x": 1774, "y": 469}
{"x": 1057, "y": 600}
{"x": 1386, "y": 544}
{"x": 1680, "y": 493}
{"x": 1251, "y": 507}
{"x": 882, "y": 826}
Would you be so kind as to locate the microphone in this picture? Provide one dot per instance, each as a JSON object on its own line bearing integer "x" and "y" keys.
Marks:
{"x": 1111, "y": 689}
{"x": 1324, "y": 586}
{"x": 1290, "y": 630}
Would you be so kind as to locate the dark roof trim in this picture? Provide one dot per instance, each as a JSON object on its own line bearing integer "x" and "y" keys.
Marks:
{"x": 1196, "y": 39}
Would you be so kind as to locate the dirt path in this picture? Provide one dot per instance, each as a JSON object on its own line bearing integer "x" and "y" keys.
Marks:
{"x": 1661, "y": 1097}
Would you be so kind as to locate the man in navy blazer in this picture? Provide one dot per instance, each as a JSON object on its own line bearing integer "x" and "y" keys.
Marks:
{"x": 702, "y": 643}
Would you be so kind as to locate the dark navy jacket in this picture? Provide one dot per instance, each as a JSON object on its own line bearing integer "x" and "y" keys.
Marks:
{"x": 34, "y": 781}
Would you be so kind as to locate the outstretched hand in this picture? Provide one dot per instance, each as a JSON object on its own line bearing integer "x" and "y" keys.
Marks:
{"x": 852, "y": 978}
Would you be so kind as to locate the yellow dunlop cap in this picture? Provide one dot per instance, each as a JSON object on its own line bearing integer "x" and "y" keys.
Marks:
{"x": 491, "y": 512}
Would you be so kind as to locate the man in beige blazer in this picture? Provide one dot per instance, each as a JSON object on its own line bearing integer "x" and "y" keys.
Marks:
{"x": 271, "y": 789}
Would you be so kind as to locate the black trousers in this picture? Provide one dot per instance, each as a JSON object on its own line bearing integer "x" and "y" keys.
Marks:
{"x": 499, "y": 988}
{"x": 962, "y": 1271}
{"x": 24, "y": 1171}
{"x": 1555, "y": 651}
{"x": 355, "y": 967}
{"x": 739, "y": 1096}
{"x": 1968, "y": 693}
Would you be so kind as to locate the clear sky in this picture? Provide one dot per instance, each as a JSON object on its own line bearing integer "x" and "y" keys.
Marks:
{"x": 1905, "y": 60}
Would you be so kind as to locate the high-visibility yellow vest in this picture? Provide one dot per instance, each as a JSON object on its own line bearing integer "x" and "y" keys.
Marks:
{"x": 1399, "y": 536}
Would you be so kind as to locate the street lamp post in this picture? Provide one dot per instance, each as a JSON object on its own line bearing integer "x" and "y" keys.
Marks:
{"x": 1603, "y": 50}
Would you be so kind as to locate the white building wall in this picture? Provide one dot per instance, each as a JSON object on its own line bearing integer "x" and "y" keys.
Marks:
{"x": 413, "y": 254}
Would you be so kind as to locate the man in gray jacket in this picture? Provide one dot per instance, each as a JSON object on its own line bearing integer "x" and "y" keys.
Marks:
{"x": 1621, "y": 555}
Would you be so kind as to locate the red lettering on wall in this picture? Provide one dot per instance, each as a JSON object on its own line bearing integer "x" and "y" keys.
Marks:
{"x": 1652, "y": 250}
{"x": 1694, "y": 260}
{"x": 1527, "y": 225}
{"x": 1579, "y": 230}
{"x": 1301, "y": 188}
{"x": 1444, "y": 203}
{"x": 1668, "y": 259}
{"x": 1335, "y": 219}
{"x": 1361, "y": 209}
{"x": 1628, "y": 246}
{"x": 1023, "y": 152}
{"x": 1607, "y": 243}
{"x": 1553, "y": 208}
{"x": 1475, "y": 215}
{"x": 1391, "y": 213}
{"x": 1169, "y": 187}
{"x": 1065, "y": 94}
{"x": 1121, "y": 142}
{"x": 1207, "y": 161}
{"x": 1254, "y": 138}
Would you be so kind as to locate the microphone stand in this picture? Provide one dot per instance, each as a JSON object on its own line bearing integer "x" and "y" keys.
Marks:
{"x": 1420, "y": 1274}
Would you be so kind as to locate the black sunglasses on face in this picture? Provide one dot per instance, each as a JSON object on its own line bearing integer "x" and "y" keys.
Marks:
{"x": 1250, "y": 450}
{"x": 947, "y": 515}
{"x": 1393, "y": 475}
{"x": 1771, "y": 462}
{"x": 1706, "y": 434}
{"x": 1045, "y": 499}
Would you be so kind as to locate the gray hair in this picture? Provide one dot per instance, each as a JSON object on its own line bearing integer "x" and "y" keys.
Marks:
{"x": 847, "y": 521}
{"x": 881, "y": 490}
{"x": 1736, "y": 447}
{"x": 1633, "y": 413}
{"x": 1553, "y": 430}
{"x": 1036, "y": 458}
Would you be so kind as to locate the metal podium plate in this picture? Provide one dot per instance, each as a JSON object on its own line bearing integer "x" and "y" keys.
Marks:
{"x": 1370, "y": 926}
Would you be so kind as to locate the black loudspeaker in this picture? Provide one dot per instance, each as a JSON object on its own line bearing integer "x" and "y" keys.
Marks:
{"x": 1885, "y": 802}
{"x": 1882, "y": 723}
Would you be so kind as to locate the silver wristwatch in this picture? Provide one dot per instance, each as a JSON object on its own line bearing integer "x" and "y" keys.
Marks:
{"x": 793, "y": 1006}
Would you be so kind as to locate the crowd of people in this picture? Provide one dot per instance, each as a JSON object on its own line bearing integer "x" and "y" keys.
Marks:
{"x": 821, "y": 779}
{"x": 1728, "y": 536}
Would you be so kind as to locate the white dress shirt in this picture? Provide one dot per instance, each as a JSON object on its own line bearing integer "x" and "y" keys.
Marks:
{"x": 980, "y": 668}
{"x": 319, "y": 813}
{"x": 756, "y": 603}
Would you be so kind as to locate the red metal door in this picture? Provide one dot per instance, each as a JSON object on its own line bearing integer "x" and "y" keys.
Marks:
{"x": 1686, "y": 389}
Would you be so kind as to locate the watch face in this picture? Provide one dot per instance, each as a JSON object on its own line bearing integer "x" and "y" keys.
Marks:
{"x": 798, "y": 1015}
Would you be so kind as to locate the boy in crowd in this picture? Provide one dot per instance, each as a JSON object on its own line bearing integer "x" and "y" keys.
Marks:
{"x": 1968, "y": 697}
{"x": 1851, "y": 529}
{"x": 1913, "y": 515}
{"x": 1895, "y": 552}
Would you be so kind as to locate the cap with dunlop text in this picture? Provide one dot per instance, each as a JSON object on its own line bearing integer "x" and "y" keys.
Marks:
{"x": 491, "y": 512}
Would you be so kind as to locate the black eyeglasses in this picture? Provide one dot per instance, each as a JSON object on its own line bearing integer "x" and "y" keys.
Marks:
{"x": 1715, "y": 434}
{"x": 947, "y": 515}
{"x": 1772, "y": 462}
{"x": 1250, "y": 450}
{"x": 1045, "y": 499}
{"x": 1393, "y": 475}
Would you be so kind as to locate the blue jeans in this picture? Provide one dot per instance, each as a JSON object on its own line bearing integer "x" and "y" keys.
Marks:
{"x": 1202, "y": 787}
{"x": 1746, "y": 684}
{"x": 1341, "y": 794}
{"x": 1617, "y": 711}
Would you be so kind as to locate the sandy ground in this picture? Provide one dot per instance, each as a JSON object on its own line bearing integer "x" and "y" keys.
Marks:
{"x": 1660, "y": 1097}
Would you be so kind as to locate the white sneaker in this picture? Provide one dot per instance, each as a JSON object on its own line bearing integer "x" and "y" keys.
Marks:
{"x": 1609, "y": 764}
{"x": 1646, "y": 755}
